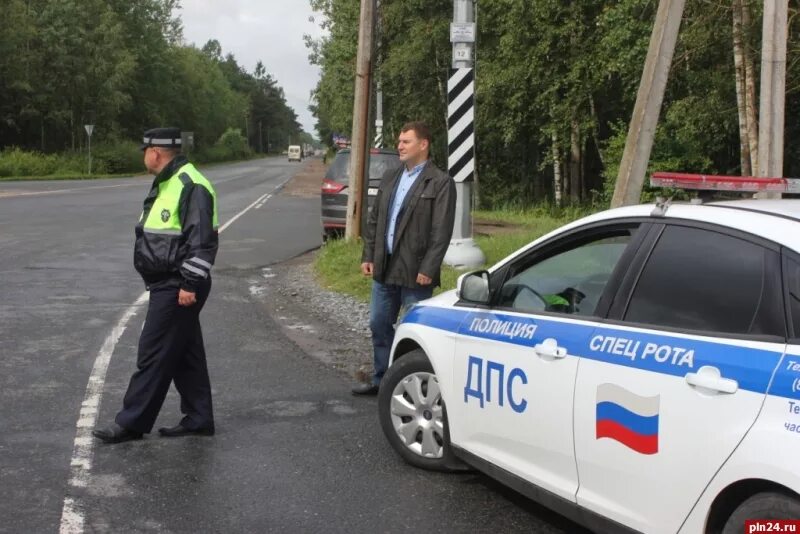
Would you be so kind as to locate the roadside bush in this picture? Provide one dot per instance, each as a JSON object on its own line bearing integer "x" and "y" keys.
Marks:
{"x": 17, "y": 162}
{"x": 231, "y": 145}
{"x": 117, "y": 158}
{"x": 234, "y": 143}
{"x": 209, "y": 155}
{"x": 74, "y": 163}
{"x": 111, "y": 158}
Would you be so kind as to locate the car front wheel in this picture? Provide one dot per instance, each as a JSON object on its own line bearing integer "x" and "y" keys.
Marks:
{"x": 413, "y": 415}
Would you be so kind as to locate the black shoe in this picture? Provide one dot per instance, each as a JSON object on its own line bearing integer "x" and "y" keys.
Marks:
{"x": 114, "y": 433}
{"x": 365, "y": 390}
{"x": 180, "y": 430}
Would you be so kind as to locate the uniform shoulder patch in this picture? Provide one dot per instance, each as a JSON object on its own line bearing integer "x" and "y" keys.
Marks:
{"x": 165, "y": 215}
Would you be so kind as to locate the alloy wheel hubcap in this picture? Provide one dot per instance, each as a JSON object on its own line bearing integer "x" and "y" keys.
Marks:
{"x": 416, "y": 410}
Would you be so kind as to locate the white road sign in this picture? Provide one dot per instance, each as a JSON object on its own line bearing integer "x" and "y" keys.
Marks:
{"x": 462, "y": 32}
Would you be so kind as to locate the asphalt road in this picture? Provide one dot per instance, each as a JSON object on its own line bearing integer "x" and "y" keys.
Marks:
{"x": 294, "y": 451}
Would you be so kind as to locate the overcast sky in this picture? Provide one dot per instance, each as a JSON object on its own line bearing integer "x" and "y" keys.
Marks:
{"x": 267, "y": 30}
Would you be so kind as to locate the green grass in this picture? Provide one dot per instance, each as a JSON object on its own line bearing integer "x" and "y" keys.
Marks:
{"x": 338, "y": 267}
{"x": 338, "y": 262}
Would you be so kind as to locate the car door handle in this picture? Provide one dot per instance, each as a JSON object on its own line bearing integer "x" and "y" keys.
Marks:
{"x": 709, "y": 377}
{"x": 549, "y": 348}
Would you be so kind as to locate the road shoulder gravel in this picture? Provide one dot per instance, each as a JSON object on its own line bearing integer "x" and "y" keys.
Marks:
{"x": 331, "y": 327}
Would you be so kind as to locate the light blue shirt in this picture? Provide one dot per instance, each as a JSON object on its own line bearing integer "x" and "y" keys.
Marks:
{"x": 406, "y": 183}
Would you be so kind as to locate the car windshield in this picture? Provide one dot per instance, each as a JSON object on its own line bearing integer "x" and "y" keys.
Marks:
{"x": 378, "y": 165}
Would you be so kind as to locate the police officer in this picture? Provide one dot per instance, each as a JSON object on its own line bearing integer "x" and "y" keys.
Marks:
{"x": 176, "y": 243}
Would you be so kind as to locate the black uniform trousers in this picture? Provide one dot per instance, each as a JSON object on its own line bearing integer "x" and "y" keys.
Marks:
{"x": 170, "y": 349}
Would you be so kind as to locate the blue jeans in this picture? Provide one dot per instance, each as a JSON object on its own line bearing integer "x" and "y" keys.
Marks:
{"x": 384, "y": 306}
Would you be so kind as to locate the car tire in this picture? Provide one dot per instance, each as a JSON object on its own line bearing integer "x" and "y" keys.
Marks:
{"x": 766, "y": 505}
{"x": 413, "y": 416}
{"x": 331, "y": 233}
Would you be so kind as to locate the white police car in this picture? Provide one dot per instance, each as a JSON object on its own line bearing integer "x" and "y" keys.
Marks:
{"x": 637, "y": 370}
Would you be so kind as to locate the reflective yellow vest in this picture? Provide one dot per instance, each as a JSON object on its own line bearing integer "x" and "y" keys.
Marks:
{"x": 164, "y": 217}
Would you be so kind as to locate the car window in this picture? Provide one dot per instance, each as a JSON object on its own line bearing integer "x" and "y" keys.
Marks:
{"x": 697, "y": 279}
{"x": 378, "y": 165}
{"x": 340, "y": 168}
{"x": 569, "y": 281}
{"x": 791, "y": 273}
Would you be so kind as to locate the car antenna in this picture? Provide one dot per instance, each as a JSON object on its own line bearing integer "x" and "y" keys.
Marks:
{"x": 661, "y": 207}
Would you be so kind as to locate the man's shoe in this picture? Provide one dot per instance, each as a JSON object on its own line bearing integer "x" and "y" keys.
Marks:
{"x": 180, "y": 430}
{"x": 365, "y": 390}
{"x": 114, "y": 433}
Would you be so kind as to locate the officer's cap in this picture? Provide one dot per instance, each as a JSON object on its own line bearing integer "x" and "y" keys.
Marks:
{"x": 163, "y": 138}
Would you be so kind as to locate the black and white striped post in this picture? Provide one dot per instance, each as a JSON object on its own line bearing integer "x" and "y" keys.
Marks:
{"x": 463, "y": 253}
{"x": 461, "y": 124}
{"x": 378, "y": 141}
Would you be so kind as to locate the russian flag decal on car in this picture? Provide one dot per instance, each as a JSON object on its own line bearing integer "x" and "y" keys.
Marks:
{"x": 628, "y": 418}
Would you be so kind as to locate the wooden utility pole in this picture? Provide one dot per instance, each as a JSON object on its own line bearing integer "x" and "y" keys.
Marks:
{"x": 360, "y": 139}
{"x": 773, "y": 91}
{"x": 642, "y": 128}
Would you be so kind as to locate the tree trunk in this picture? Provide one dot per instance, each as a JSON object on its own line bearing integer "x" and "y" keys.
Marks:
{"x": 442, "y": 85}
{"x": 72, "y": 128}
{"x": 575, "y": 163}
{"x": 741, "y": 90}
{"x": 531, "y": 166}
{"x": 596, "y": 122}
{"x": 556, "y": 171}
{"x": 750, "y": 85}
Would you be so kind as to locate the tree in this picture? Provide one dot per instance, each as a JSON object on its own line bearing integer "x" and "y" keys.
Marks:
{"x": 17, "y": 31}
{"x": 745, "y": 89}
{"x": 120, "y": 64}
{"x": 207, "y": 104}
{"x": 336, "y": 55}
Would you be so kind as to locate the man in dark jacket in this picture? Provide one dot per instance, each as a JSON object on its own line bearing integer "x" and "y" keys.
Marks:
{"x": 176, "y": 244}
{"x": 407, "y": 235}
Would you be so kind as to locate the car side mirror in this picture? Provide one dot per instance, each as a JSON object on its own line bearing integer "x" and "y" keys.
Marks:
{"x": 474, "y": 287}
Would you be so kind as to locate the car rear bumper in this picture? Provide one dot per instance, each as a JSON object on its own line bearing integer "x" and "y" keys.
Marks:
{"x": 334, "y": 209}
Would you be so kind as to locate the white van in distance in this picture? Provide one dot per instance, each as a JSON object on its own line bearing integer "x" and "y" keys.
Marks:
{"x": 295, "y": 153}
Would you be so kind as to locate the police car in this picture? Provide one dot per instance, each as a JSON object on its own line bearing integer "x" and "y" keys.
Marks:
{"x": 637, "y": 369}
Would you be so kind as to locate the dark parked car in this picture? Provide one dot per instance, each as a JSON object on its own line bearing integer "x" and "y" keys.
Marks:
{"x": 335, "y": 188}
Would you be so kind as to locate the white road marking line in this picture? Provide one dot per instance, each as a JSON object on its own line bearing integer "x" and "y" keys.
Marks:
{"x": 72, "y": 517}
{"x": 264, "y": 201}
{"x": 227, "y": 224}
{"x": 72, "y": 513}
{"x": 9, "y": 194}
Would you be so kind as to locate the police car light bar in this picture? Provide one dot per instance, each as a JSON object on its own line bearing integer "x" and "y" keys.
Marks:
{"x": 711, "y": 182}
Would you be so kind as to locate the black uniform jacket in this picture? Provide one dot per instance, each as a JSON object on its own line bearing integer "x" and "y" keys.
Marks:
{"x": 422, "y": 232}
{"x": 183, "y": 260}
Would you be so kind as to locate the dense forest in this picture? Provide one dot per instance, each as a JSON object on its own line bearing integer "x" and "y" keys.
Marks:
{"x": 556, "y": 82}
{"x": 123, "y": 66}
